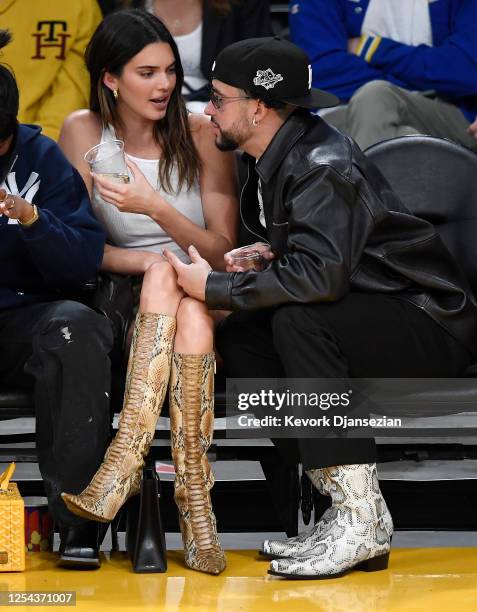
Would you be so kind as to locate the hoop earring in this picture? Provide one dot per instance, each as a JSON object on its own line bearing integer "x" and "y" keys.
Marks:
{"x": 254, "y": 122}
{"x": 116, "y": 93}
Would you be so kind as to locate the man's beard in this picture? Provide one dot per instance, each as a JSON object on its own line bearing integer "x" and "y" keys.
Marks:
{"x": 225, "y": 142}
{"x": 232, "y": 139}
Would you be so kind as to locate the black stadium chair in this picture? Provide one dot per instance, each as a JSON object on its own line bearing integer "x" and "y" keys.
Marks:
{"x": 436, "y": 179}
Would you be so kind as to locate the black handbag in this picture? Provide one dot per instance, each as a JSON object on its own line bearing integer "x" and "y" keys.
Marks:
{"x": 145, "y": 538}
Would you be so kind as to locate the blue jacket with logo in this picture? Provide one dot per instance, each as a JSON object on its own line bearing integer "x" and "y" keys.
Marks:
{"x": 322, "y": 28}
{"x": 61, "y": 250}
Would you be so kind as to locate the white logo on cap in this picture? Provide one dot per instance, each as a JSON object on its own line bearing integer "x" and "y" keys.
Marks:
{"x": 213, "y": 67}
{"x": 267, "y": 78}
{"x": 310, "y": 75}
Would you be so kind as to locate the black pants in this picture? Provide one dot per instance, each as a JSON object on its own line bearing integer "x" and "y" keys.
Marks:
{"x": 361, "y": 336}
{"x": 60, "y": 349}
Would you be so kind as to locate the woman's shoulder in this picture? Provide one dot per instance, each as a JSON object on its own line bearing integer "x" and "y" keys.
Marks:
{"x": 82, "y": 124}
{"x": 81, "y": 130}
{"x": 198, "y": 121}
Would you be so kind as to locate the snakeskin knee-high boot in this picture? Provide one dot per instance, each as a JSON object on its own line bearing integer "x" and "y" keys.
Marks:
{"x": 119, "y": 476}
{"x": 191, "y": 410}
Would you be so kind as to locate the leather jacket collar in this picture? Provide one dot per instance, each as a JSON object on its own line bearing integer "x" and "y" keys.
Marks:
{"x": 281, "y": 144}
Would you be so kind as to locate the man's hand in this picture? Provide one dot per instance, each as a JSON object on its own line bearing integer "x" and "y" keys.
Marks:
{"x": 191, "y": 277}
{"x": 261, "y": 247}
{"x": 15, "y": 207}
{"x": 353, "y": 44}
{"x": 473, "y": 129}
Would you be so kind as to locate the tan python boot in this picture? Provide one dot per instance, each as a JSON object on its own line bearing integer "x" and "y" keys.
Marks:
{"x": 119, "y": 476}
{"x": 191, "y": 410}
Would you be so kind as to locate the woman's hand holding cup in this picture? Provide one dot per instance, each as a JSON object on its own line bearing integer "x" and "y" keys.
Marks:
{"x": 137, "y": 196}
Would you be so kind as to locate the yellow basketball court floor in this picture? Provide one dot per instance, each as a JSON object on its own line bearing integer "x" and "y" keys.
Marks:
{"x": 425, "y": 579}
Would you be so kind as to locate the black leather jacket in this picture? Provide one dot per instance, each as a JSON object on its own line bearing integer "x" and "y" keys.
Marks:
{"x": 335, "y": 226}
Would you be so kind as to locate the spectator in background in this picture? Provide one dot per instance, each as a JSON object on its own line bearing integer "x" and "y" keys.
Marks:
{"x": 46, "y": 54}
{"x": 386, "y": 57}
{"x": 50, "y": 245}
{"x": 202, "y": 28}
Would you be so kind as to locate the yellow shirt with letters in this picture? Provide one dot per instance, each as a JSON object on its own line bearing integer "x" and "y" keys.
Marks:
{"x": 47, "y": 56}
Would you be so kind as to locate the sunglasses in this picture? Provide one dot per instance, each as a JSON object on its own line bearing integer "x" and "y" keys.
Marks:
{"x": 218, "y": 101}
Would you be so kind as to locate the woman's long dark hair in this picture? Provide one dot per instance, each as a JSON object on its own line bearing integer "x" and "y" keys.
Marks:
{"x": 9, "y": 98}
{"x": 117, "y": 39}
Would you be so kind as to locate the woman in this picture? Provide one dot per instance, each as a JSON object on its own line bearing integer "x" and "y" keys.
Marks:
{"x": 202, "y": 28}
{"x": 182, "y": 193}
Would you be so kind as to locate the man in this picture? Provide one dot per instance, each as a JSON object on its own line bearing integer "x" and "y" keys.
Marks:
{"x": 358, "y": 286}
{"x": 50, "y": 245}
{"x": 47, "y": 56}
{"x": 404, "y": 67}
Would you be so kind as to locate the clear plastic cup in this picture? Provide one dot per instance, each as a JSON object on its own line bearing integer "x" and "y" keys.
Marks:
{"x": 250, "y": 257}
{"x": 107, "y": 159}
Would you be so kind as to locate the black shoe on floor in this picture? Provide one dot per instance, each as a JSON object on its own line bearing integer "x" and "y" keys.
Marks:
{"x": 79, "y": 546}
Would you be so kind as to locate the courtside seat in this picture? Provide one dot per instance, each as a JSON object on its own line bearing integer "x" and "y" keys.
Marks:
{"x": 437, "y": 180}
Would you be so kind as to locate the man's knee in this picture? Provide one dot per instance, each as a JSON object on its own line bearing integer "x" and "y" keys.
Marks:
{"x": 291, "y": 322}
{"x": 67, "y": 321}
{"x": 373, "y": 94}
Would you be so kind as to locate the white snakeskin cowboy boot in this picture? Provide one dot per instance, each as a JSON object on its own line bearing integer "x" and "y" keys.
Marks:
{"x": 304, "y": 542}
{"x": 191, "y": 411}
{"x": 301, "y": 543}
{"x": 355, "y": 533}
{"x": 119, "y": 476}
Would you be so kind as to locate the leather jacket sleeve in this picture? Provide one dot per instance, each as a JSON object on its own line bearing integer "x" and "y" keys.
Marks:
{"x": 315, "y": 265}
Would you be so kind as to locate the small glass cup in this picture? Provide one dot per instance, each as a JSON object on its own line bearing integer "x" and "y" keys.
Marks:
{"x": 251, "y": 257}
{"x": 107, "y": 159}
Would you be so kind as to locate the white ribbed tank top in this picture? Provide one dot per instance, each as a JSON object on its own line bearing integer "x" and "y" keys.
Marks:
{"x": 140, "y": 232}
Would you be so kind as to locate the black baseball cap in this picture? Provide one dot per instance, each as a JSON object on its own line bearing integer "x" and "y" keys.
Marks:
{"x": 271, "y": 68}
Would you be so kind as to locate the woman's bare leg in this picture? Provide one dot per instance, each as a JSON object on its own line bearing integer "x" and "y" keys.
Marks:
{"x": 160, "y": 292}
{"x": 195, "y": 328}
